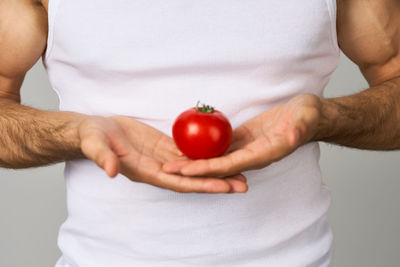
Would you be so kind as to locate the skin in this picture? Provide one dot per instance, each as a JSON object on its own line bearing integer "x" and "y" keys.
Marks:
{"x": 368, "y": 33}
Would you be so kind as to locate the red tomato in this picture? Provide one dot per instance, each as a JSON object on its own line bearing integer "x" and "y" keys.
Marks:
{"x": 202, "y": 133}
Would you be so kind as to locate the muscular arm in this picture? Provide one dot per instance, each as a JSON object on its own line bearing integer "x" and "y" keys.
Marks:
{"x": 29, "y": 137}
{"x": 369, "y": 34}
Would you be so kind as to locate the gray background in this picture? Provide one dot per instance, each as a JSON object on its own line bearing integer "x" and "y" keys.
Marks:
{"x": 364, "y": 215}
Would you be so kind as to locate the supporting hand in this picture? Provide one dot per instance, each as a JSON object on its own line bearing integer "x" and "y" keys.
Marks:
{"x": 122, "y": 144}
{"x": 260, "y": 141}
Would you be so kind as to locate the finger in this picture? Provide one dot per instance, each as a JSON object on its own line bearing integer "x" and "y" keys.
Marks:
{"x": 95, "y": 147}
{"x": 141, "y": 168}
{"x": 256, "y": 155}
{"x": 111, "y": 166}
{"x": 169, "y": 156}
{"x": 238, "y": 184}
{"x": 227, "y": 165}
{"x": 165, "y": 149}
{"x": 240, "y": 137}
{"x": 240, "y": 177}
{"x": 174, "y": 166}
{"x": 171, "y": 145}
{"x": 184, "y": 184}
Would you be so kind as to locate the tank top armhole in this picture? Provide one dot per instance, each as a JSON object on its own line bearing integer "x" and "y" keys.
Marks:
{"x": 52, "y": 11}
{"x": 332, "y": 8}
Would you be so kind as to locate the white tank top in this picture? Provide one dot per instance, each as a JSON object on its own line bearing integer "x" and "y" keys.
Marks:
{"x": 153, "y": 59}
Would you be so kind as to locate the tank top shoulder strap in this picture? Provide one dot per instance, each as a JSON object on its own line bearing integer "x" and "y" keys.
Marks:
{"x": 51, "y": 14}
{"x": 332, "y": 8}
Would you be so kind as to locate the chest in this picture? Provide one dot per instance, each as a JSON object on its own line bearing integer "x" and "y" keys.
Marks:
{"x": 157, "y": 33}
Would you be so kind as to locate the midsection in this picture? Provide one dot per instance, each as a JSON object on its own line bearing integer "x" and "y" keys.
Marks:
{"x": 279, "y": 219}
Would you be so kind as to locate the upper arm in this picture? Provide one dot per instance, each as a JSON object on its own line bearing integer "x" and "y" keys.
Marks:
{"x": 23, "y": 35}
{"x": 369, "y": 34}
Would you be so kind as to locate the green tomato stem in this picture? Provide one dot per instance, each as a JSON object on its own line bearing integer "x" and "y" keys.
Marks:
{"x": 205, "y": 108}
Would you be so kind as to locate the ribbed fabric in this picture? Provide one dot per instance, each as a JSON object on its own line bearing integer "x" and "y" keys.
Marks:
{"x": 153, "y": 59}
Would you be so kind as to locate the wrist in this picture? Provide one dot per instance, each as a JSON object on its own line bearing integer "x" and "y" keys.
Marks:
{"x": 72, "y": 134}
{"x": 327, "y": 118}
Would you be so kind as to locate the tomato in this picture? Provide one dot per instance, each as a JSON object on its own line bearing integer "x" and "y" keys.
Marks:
{"x": 202, "y": 132}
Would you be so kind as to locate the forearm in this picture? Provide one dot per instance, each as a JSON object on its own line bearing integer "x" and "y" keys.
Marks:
{"x": 31, "y": 137}
{"x": 366, "y": 120}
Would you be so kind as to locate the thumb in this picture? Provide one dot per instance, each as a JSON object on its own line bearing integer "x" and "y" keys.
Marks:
{"x": 96, "y": 148}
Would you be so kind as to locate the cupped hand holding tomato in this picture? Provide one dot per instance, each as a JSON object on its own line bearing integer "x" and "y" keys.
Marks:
{"x": 260, "y": 141}
{"x": 202, "y": 132}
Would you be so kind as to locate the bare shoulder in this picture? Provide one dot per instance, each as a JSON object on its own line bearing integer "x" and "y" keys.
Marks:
{"x": 23, "y": 35}
{"x": 24, "y": 3}
{"x": 368, "y": 33}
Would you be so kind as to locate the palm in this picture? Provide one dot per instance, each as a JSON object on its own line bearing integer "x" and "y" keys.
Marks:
{"x": 140, "y": 151}
{"x": 147, "y": 142}
{"x": 148, "y": 148}
{"x": 260, "y": 141}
